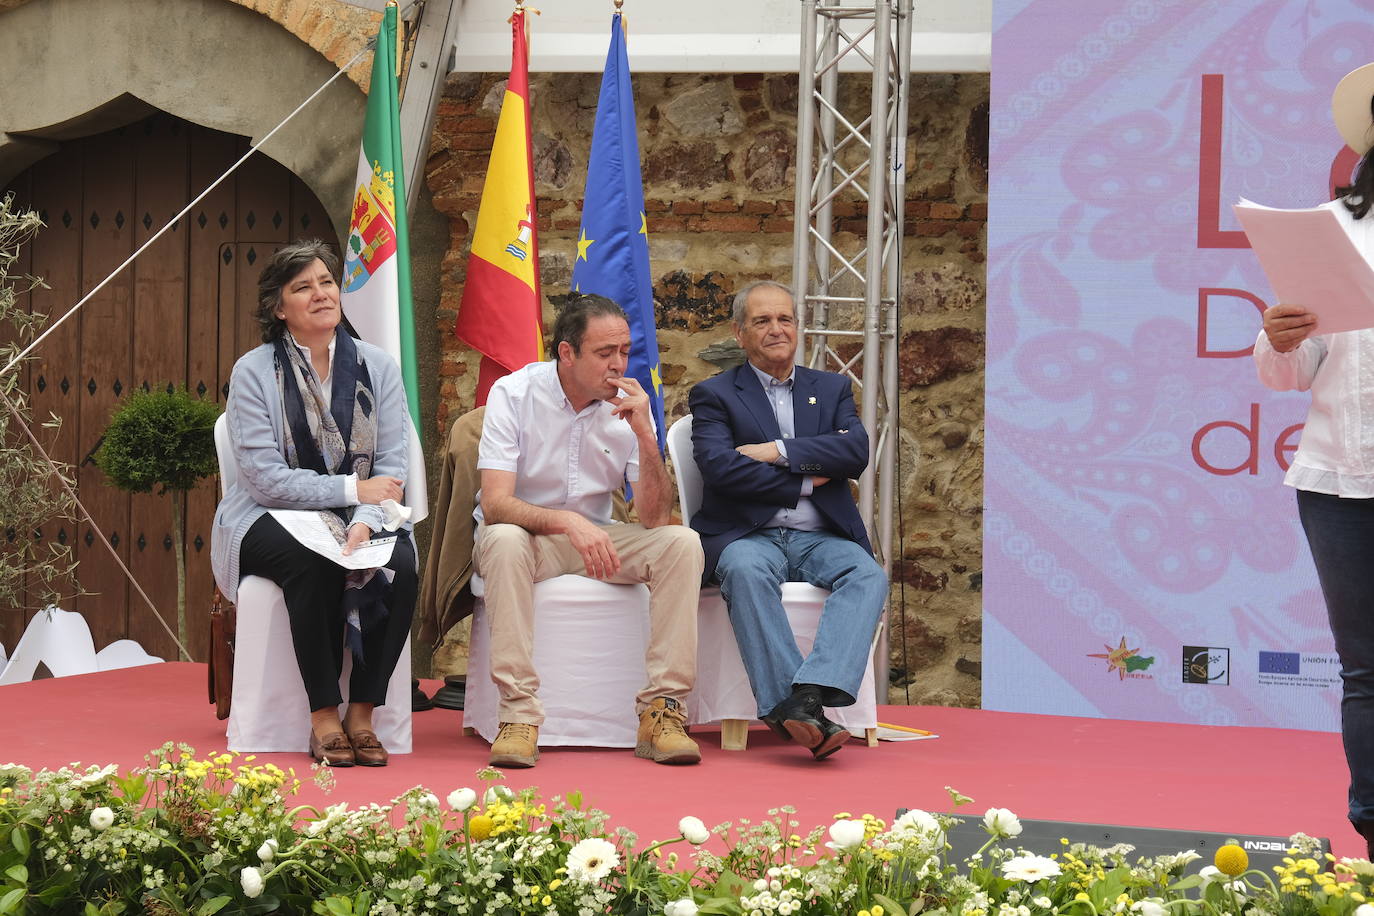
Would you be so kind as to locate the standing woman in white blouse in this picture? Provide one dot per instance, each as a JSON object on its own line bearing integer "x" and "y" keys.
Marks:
{"x": 1333, "y": 470}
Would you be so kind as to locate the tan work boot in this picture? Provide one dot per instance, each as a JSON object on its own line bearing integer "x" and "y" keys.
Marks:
{"x": 662, "y": 737}
{"x": 516, "y": 745}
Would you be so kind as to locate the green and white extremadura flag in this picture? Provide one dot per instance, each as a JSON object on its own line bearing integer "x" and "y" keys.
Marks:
{"x": 376, "y": 270}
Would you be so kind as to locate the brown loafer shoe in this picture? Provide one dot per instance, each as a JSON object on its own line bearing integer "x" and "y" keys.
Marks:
{"x": 367, "y": 748}
{"x": 333, "y": 750}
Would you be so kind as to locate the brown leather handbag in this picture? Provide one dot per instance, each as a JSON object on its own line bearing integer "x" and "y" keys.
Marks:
{"x": 223, "y": 624}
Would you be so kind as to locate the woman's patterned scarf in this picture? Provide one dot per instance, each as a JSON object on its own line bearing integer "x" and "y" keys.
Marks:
{"x": 340, "y": 440}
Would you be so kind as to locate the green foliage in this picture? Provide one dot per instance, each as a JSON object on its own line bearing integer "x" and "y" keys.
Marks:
{"x": 160, "y": 439}
{"x": 33, "y": 496}
{"x": 197, "y": 837}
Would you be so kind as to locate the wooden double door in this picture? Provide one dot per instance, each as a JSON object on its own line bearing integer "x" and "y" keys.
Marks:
{"x": 180, "y": 314}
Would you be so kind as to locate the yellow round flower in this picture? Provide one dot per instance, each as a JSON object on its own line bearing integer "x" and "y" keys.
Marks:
{"x": 1231, "y": 860}
{"x": 479, "y": 828}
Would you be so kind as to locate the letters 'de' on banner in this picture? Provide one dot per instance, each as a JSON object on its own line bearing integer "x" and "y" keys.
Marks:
{"x": 1143, "y": 559}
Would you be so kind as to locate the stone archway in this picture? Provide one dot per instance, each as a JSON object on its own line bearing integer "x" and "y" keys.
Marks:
{"x": 78, "y": 67}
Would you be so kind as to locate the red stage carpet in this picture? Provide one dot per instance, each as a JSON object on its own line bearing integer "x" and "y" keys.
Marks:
{"x": 1241, "y": 780}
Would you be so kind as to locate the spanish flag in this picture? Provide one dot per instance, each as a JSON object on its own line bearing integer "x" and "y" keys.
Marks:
{"x": 500, "y": 311}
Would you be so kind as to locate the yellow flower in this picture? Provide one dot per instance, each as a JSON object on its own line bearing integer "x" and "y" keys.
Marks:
{"x": 547, "y": 900}
{"x": 1231, "y": 860}
{"x": 479, "y": 828}
{"x": 555, "y": 884}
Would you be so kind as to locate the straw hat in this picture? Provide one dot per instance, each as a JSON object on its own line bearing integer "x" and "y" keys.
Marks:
{"x": 1350, "y": 108}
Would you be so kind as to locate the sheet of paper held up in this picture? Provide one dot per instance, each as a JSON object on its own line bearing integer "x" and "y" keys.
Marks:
{"x": 308, "y": 528}
{"x": 1311, "y": 261}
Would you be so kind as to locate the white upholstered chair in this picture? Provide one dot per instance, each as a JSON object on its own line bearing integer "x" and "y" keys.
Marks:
{"x": 589, "y": 642}
{"x": 722, "y": 690}
{"x": 270, "y": 711}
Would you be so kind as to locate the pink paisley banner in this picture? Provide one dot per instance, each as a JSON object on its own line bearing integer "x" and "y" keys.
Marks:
{"x": 1143, "y": 559}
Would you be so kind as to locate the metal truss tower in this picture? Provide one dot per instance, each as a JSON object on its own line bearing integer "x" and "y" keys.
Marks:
{"x": 852, "y": 151}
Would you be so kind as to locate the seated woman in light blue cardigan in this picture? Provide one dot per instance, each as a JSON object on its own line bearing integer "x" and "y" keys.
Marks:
{"x": 318, "y": 421}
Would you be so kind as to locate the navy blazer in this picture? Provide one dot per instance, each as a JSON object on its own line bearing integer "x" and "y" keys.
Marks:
{"x": 741, "y": 494}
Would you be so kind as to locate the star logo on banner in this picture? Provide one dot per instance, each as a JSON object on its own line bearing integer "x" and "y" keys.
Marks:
{"x": 1122, "y": 660}
{"x": 643, "y": 224}
{"x": 656, "y": 379}
{"x": 583, "y": 244}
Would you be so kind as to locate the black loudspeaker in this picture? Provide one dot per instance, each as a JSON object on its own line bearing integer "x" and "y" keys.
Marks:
{"x": 1043, "y": 838}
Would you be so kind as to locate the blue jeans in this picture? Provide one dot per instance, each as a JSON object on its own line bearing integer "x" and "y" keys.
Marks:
{"x": 1340, "y": 533}
{"x": 751, "y": 571}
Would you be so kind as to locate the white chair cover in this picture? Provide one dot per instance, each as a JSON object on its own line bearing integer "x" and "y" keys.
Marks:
{"x": 722, "y": 689}
{"x": 589, "y": 643}
{"x": 270, "y": 711}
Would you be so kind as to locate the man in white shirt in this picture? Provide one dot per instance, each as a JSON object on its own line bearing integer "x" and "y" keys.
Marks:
{"x": 558, "y": 438}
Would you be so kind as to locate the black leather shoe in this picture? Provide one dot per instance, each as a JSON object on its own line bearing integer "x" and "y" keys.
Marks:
{"x": 1366, "y": 830}
{"x": 803, "y": 720}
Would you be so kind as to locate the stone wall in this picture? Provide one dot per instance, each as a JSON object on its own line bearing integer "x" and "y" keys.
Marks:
{"x": 718, "y": 159}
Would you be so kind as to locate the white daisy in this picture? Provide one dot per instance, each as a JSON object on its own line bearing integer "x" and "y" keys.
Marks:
{"x": 592, "y": 860}
{"x": 1029, "y": 868}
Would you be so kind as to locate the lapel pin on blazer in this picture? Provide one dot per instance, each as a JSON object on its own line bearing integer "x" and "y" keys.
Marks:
{"x": 811, "y": 400}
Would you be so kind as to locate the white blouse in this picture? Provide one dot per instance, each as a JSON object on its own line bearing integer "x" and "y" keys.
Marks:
{"x": 1336, "y": 453}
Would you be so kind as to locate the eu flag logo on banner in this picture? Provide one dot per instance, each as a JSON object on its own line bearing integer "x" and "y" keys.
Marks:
{"x": 613, "y": 244}
{"x": 1279, "y": 663}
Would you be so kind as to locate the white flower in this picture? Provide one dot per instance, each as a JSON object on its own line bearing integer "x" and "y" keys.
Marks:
{"x": 1210, "y": 873}
{"x": 267, "y": 851}
{"x": 694, "y": 832}
{"x": 1364, "y": 909}
{"x": 1033, "y": 868}
{"x": 96, "y": 777}
{"x": 1043, "y": 902}
{"x": 1359, "y": 866}
{"x": 684, "y": 907}
{"x": 1002, "y": 823}
{"x": 101, "y": 818}
{"x": 252, "y": 882}
{"x": 1148, "y": 908}
{"x": 495, "y": 794}
{"x": 846, "y": 835}
{"x": 918, "y": 821}
{"x": 462, "y": 799}
{"x": 428, "y": 800}
{"x": 591, "y": 860}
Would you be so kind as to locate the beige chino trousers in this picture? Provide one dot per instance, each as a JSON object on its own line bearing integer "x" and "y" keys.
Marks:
{"x": 667, "y": 559}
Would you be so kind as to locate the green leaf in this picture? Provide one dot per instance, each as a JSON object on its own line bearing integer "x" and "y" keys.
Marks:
{"x": 888, "y": 904}
{"x": 18, "y": 873}
{"x": 213, "y": 905}
{"x": 10, "y": 902}
{"x": 729, "y": 885}
{"x": 575, "y": 799}
{"x": 20, "y": 838}
{"x": 721, "y": 906}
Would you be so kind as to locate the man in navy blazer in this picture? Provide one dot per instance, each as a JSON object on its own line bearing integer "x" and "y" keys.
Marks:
{"x": 776, "y": 444}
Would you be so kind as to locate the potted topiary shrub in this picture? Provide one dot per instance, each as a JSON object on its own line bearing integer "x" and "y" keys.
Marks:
{"x": 163, "y": 439}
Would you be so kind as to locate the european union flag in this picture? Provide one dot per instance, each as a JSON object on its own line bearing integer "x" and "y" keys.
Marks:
{"x": 613, "y": 244}
{"x": 1279, "y": 662}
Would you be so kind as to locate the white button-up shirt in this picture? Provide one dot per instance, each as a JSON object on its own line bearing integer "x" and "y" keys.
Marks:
{"x": 1336, "y": 453}
{"x": 561, "y": 459}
